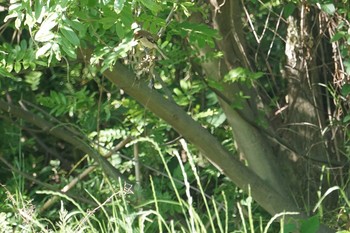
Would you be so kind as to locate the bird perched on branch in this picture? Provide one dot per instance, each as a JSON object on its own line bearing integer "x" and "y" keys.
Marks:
{"x": 148, "y": 41}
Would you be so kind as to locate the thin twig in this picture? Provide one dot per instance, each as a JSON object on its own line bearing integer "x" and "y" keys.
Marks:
{"x": 82, "y": 175}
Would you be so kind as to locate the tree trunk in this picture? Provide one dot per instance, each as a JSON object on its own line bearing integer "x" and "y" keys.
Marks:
{"x": 250, "y": 141}
{"x": 304, "y": 122}
{"x": 243, "y": 177}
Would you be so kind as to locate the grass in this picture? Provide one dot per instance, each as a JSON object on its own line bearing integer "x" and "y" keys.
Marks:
{"x": 116, "y": 214}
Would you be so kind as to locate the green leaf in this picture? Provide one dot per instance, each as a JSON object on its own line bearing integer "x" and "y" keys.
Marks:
{"x": 288, "y": 9}
{"x": 118, "y": 5}
{"x": 207, "y": 113}
{"x": 15, "y": 6}
{"x": 40, "y": 10}
{"x": 70, "y": 35}
{"x": 217, "y": 120}
{"x": 33, "y": 78}
{"x": 30, "y": 21}
{"x": 26, "y": 64}
{"x": 5, "y": 73}
{"x": 44, "y": 36}
{"x": 50, "y": 22}
{"x": 152, "y": 5}
{"x": 347, "y": 66}
{"x": 311, "y": 225}
{"x": 120, "y": 30}
{"x": 337, "y": 36}
{"x": 23, "y": 44}
{"x": 9, "y": 67}
{"x": 346, "y": 119}
{"x": 67, "y": 48}
{"x": 329, "y": 8}
{"x": 77, "y": 26}
{"x": 42, "y": 50}
{"x": 215, "y": 84}
{"x": 211, "y": 98}
{"x": 10, "y": 16}
{"x": 18, "y": 21}
{"x": 18, "y": 67}
{"x": 108, "y": 22}
{"x": 178, "y": 92}
{"x": 345, "y": 90}
{"x": 184, "y": 85}
{"x": 235, "y": 74}
{"x": 242, "y": 75}
{"x": 56, "y": 50}
{"x": 289, "y": 227}
{"x": 256, "y": 75}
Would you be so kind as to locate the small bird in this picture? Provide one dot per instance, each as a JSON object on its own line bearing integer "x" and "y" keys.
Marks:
{"x": 148, "y": 41}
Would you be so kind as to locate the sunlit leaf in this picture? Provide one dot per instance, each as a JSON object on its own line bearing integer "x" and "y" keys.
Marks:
{"x": 217, "y": 119}
{"x": 50, "y": 22}
{"x": 56, "y": 50}
{"x": 10, "y": 16}
{"x": 15, "y": 6}
{"x": 207, "y": 113}
{"x": 178, "y": 92}
{"x": 44, "y": 34}
{"x": 26, "y": 64}
{"x": 9, "y": 67}
{"x": 184, "y": 85}
{"x": 18, "y": 22}
{"x": 40, "y": 10}
{"x": 33, "y": 78}
{"x": 118, "y": 5}
{"x": 235, "y": 74}
{"x": 18, "y": 67}
{"x": 42, "y": 50}
{"x": 30, "y": 21}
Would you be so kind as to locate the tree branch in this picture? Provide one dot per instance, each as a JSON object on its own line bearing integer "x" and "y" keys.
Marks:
{"x": 61, "y": 132}
{"x": 266, "y": 196}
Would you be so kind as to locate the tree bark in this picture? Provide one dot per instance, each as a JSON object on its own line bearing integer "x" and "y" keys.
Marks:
{"x": 262, "y": 192}
{"x": 250, "y": 141}
{"x": 304, "y": 122}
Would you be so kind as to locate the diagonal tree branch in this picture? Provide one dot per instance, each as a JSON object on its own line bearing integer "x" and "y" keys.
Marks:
{"x": 61, "y": 132}
{"x": 265, "y": 195}
{"x": 271, "y": 200}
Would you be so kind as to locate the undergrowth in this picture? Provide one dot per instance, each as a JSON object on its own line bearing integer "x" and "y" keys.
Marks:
{"x": 128, "y": 210}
